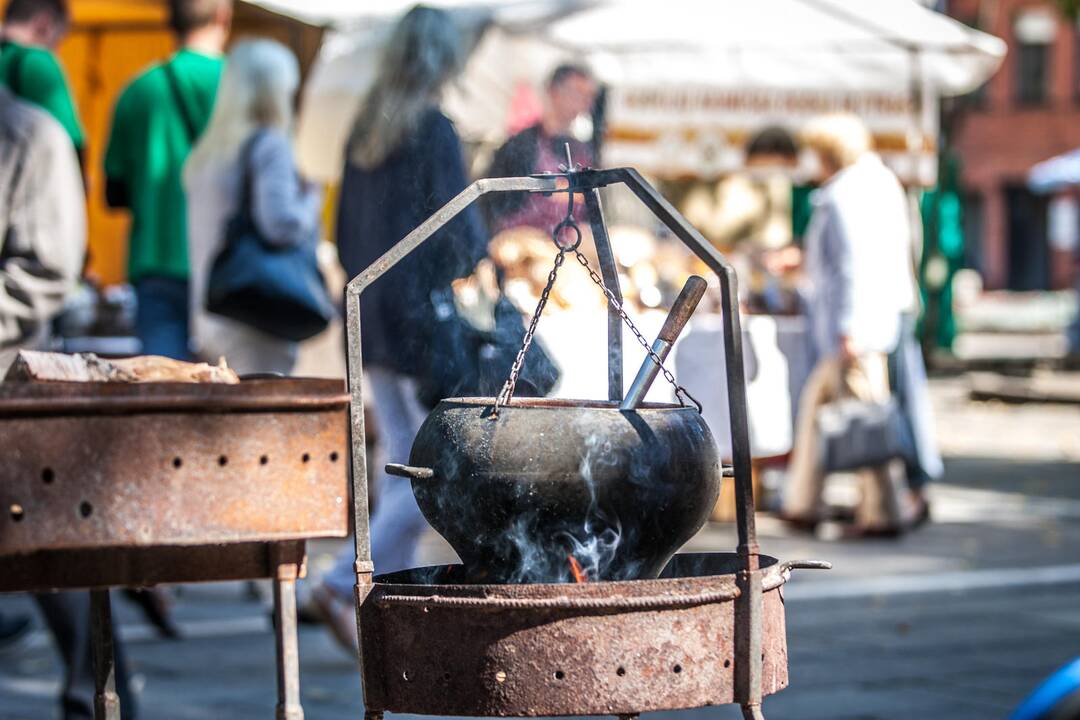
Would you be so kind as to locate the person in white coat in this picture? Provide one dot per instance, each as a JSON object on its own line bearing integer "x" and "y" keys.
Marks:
{"x": 859, "y": 283}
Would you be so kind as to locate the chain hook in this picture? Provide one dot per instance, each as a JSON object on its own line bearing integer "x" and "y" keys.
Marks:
{"x": 556, "y": 235}
{"x": 569, "y": 222}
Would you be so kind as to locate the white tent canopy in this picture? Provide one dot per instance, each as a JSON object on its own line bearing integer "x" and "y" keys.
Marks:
{"x": 819, "y": 44}
{"x": 345, "y": 15}
{"x": 1057, "y": 173}
{"x": 688, "y": 79}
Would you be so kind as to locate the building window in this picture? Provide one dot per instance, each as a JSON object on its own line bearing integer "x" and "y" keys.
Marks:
{"x": 979, "y": 97}
{"x": 1031, "y": 72}
{"x": 1034, "y": 32}
{"x": 1028, "y": 247}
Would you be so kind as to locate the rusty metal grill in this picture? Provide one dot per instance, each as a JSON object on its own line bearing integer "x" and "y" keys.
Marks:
{"x": 124, "y": 466}
{"x": 105, "y": 485}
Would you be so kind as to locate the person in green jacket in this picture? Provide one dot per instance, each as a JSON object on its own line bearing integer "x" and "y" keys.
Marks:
{"x": 157, "y": 120}
{"x": 29, "y": 35}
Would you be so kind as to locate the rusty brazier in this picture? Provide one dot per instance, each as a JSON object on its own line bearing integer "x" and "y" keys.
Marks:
{"x": 709, "y": 630}
{"x": 130, "y": 485}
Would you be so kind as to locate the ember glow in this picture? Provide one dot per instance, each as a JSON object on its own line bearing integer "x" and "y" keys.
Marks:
{"x": 576, "y": 571}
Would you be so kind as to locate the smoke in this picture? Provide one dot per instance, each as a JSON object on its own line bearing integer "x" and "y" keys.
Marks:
{"x": 545, "y": 558}
{"x": 541, "y": 550}
{"x": 595, "y": 548}
{"x": 534, "y": 563}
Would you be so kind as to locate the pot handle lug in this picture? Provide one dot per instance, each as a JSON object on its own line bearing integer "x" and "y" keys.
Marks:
{"x": 790, "y": 565}
{"x": 408, "y": 471}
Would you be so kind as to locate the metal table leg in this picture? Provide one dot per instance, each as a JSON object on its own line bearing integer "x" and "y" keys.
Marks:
{"x": 288, "y": 653}
{"x": 106, "y": 701}
{"x": 752, "y": 712}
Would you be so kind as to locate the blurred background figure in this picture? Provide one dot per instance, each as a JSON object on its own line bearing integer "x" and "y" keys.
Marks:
{"x": 859, "y": 283}
{"x": 748, "y": 214}
{"x": 571, "y": 92}
{"x": 404, "y": 161}
{"x": 42, "y": 224}
{"x": 1056, "y": 182}
{"x": 246, "y": 151}
{"x": 157, "y": 120}
{"x": 29, "y": 35}
{"x": 911, "y": 388}
{"x": 1063, "y": 220}
{"x": 42, "y": 243}
{"x": 751, "y": 208}
{"x": 1074, "y": 329}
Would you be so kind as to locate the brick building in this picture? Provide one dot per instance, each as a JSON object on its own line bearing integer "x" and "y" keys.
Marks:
{"x": 1028, "y": 112}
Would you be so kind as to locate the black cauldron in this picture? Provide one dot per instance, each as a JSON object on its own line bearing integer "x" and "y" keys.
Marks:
{"x": 520, "y": 493}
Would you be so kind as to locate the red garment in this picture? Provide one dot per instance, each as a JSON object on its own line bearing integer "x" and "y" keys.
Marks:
{"x": 543, "y": 212}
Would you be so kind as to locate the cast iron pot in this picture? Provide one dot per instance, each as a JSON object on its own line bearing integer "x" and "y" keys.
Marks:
{"x": 519, "y": 494}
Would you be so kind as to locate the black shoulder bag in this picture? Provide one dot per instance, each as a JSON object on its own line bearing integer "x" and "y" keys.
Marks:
{"x": 276, "y": 289}
{"x": 480, "y": 359}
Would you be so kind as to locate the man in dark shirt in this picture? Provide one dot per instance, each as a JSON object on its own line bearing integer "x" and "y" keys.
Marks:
{"x": 571, "y": 92}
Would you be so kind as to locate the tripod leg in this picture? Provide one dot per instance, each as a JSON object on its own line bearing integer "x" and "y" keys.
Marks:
{"x": 752, "y": 712}
{"x": 285, "y": 639}
{"x": 106, "y": 701}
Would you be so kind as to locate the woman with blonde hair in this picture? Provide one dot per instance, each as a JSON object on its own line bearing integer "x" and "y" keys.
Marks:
{"x": 246, "y": 151}
{"x": 403, "y": 162}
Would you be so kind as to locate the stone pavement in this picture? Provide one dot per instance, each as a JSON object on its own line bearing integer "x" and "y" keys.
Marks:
{"x": 959, "y": 620}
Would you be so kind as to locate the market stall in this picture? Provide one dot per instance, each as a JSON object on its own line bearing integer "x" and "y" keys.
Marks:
{"x": 686, "y": 84}
{"x": 687, "y": 80}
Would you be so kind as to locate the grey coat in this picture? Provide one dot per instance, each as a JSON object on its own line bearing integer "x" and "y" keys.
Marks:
{"x": 42, "y": 223}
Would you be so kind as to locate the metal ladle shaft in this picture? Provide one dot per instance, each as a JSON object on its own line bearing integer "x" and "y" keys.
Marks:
{"x": 680, "y": 313}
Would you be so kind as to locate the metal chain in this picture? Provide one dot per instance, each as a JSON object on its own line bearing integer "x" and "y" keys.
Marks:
{"x": 569, "y": 223}
{"x": 507, "y": 392}
{"x": 680, "y": 391}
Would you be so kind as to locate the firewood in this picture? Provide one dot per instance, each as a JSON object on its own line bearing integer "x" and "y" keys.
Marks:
{"x": 33, "y": 366}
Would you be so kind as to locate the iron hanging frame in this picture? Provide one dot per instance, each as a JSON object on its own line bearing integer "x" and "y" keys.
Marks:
{"x": 749, "y": 603}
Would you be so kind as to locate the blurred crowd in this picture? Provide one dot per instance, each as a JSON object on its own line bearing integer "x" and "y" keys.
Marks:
{"x": 200, "y": 154}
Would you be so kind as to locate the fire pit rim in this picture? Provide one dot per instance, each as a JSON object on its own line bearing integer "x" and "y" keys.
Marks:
{"x": 774, "y": 574}
{"x": 554, "y": 403}
{"x": 83, "y": 398}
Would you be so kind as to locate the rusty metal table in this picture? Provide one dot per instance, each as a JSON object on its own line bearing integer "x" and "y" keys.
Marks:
{"x": 131, "y": 485}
